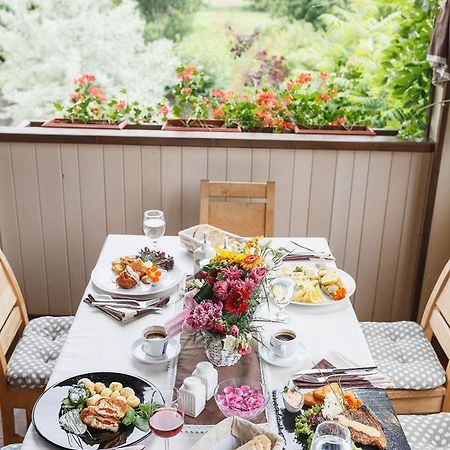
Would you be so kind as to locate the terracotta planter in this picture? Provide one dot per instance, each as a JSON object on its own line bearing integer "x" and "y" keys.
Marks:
{"x": 357, "y": 130}
{"x": 143, "y": 126}
{"x": 199, "y": 125}
{"x": 67, "y": 123}
{"x": 267, "y": 130}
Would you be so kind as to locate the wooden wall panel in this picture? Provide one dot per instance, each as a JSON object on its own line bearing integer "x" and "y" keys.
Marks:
{"x": 61, "y": 200}
{"x": 53, "y": 228}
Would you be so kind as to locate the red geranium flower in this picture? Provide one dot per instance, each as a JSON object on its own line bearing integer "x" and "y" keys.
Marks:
{"x": 218, "y": 113}
{"x": 75, "y": 96}
{"x": 120, "y": 105}
{"x": 304, "y": 78}
{"x": 164, "y": 110}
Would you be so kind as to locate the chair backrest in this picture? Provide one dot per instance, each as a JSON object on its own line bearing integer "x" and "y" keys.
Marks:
{"x": 221, "y": 205}
{"x": 13, "y": 313}
{"x": 436, "y": 320}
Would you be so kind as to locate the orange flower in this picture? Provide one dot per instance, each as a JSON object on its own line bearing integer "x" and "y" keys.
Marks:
{"x": 186, "y": 91}
{"x": 304, "y": 78}
{"x": 218, "y": 93}
{"x": 323, "y": 75}
{"x": 267, "y": 99}
{"x": 188, "y": 72}
{"x": 218, "y": 113}
{"x": 325, "y": 97}
{"x": 251, "y": 261}
{"x": 75, "y": 96}
{"x": 340, "y": 121}
{"x": 120, "y": 105}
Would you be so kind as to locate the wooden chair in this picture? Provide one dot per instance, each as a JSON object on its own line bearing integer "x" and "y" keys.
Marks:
{"x": 240, "y": 217}
{"x": 435, "y": 322}
{"x": 28, "y": 352}
{"x": 13, "y": 319}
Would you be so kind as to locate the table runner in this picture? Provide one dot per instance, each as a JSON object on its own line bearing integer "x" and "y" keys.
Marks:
{"x": 193, "y": 352}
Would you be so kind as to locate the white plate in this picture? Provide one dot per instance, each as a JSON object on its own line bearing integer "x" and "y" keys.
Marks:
{"x": 274, "y": 360}
{"x": 350, "y": 286}
{"x": 105, "y": 279}
{"x": 173, "y": 349}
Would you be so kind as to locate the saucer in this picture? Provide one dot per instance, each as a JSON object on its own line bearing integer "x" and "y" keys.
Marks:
{"x": 173, "y": 348}
{"x": 279, "y": 361}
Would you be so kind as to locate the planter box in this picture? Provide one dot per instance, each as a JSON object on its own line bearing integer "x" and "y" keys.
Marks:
{"x": 143, "y": 126}
{"x": 199, "y": 125}
{"x": 357, "y": 130}
{"x": 269, "y": 130}
{"x": 67, "y": 123}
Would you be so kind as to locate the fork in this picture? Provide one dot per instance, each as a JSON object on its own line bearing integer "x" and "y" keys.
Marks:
{"x": 324, "y": 378}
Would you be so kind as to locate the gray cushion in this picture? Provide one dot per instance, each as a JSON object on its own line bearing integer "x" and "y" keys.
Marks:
{"x": 402, "y": 351}
{"x": 12, "y": 447}
{"x": 35, "y": 355}
{"x": 431, "y": 432}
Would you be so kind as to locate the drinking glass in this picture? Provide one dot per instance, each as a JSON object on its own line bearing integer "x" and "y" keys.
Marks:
{"x": 154, "y": 226}
{"x": 168, "y": 421}
{"x": 331, "y": 436}
{"x": 282, "y": 291}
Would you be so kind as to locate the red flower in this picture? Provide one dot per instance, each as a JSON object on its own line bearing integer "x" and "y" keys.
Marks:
{"x": 164, "y": 110}
{"x": 235, "y": 305}
{"x": 267, "y": 99}
{"x": 89, "y": 77}
{"x": 85, "y": 78}
{"x": 323, "y": 75}
{"x": 304, "y": 78}
{"x": 218, "y": 93}
{"x": 187, "y": 73}
{"x": 186, "y": 91}
{"x": 325, "y": 97}
{"x": 120, "y": 105}
{"x": 97, "y": 92}
{"x": 340, "y": 121}
{"x": 75, "y": 96}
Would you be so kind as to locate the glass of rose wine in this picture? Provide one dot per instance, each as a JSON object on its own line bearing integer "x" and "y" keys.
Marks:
{"x": 168, "y": 420}
{"x": 154, "y": 226}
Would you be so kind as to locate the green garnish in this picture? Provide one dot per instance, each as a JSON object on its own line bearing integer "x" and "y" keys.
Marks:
{"x": 302, "y": 428}
{"x": 139, "y": 417}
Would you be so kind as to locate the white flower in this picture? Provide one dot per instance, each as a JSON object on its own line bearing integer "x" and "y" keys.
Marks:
{"x": 229, "y": 343}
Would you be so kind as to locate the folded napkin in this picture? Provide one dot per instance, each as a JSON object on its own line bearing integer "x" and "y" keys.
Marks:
{"x": 123, "y": 314}
{"x": 378, "y": 380}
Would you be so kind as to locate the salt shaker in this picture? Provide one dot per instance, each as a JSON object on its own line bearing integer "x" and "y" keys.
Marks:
{"x": 208, "y": 375}
{"x": 192, "y": 396}
{"x": 203, "y": 254}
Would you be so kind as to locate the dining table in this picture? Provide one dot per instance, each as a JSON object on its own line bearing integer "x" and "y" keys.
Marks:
{"x": 97, "y": 343}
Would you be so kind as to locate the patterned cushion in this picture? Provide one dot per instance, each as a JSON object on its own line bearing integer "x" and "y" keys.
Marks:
{"x": 431, "y": 432}
{"x": 35, "y": 355}
{"x": 401, "y": 351}
{"x": 12, "y": 447}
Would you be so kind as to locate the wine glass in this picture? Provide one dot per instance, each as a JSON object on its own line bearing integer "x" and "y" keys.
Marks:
{"x": 168, "y": 420}
{"x": 282, "y": 291}
{"x": 154, "y": 226}
{"x": 331, "y": 436}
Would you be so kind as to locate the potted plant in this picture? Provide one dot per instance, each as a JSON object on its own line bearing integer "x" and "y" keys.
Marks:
{"x": 316, "y": 106}
{"x": 224, "y": 297}
{"x": 192, "y": 106}
{"x": 89, "y": 107}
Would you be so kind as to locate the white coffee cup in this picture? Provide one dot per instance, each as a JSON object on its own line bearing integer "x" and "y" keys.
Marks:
{"x": 283, "y": 342}
{"x": 155, "y": 341}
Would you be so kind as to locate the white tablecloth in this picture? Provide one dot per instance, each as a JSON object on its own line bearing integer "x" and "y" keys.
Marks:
{"x": 98, "y": 343}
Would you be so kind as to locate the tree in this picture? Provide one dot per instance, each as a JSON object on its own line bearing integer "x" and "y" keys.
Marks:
{"x": 168, "y": 18}
{"x": 46, "y": 46}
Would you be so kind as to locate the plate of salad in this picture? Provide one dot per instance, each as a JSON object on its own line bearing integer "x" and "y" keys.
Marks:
{"x": 96, "y": 410}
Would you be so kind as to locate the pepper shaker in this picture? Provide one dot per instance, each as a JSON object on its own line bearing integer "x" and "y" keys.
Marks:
{"x": 192, "y": 396}
{"x": 208, "y": 376}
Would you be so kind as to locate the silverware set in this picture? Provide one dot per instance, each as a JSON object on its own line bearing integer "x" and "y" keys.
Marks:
{"x": 321, "y": 376}
{"x": 306, "y": 254}
{"x": 154, "y": 305}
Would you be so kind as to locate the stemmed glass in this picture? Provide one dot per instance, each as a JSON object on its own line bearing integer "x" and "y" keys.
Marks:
{"x": 154, "y": 226}
{"x": 282, "y": 291}
{"x": 168, "y": 421}
{"x": 331, "y": 436}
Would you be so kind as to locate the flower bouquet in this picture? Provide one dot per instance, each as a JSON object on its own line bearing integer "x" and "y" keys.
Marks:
{"x": 224, "y": 297}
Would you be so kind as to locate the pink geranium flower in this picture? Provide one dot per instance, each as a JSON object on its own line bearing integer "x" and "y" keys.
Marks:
{"x": 204, "y": 316}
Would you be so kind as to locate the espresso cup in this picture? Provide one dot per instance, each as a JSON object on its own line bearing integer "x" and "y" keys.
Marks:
{"x": 155, "y": 341}
{"x": 283, "y": 342}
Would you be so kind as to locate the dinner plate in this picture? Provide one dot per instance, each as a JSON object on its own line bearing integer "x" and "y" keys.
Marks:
{"x": 105, "y": 279}
{"x": 350, "y": 286}
{"x": 46, "y": 413}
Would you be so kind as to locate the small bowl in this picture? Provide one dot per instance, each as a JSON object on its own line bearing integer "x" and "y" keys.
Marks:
{"x": 288, "y": 406}
{"x": 251, "y": 389}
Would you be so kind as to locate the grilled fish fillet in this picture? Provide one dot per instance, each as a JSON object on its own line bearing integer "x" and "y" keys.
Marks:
{"x": 106, "y": 414}
{"x": 364, "y": 427}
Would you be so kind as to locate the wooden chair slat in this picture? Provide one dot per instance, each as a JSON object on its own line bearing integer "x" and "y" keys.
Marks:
{"x": 443, "y": 302}
{"x": 238, "y": 215}
{"x": 441, "y": 330}
{"x": 7, "y": 299}
{"x": 245, "y": 219}
{"x": 10, "y": 329}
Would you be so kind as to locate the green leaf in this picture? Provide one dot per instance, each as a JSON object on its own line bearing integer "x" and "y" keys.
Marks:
{"x": 129, "y": 417}
{"x": 141, "y": 423}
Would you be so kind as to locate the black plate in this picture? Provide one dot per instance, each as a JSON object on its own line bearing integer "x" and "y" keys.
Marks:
{"x": 47, "y": 408}
{"x": 374, "y": 399}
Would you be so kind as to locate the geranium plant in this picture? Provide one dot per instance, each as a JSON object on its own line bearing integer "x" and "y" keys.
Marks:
{"x": 226, "y": 293}
{"x": 89, "y": 103}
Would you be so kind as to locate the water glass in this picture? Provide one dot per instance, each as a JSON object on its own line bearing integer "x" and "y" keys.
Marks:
{"x": 331, "y": 436}
{"x": 154, "y": 226}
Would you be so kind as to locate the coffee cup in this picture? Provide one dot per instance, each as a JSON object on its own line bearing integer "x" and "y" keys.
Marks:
{"x": 283, "y": 342}
{"x": 155, "y": 341}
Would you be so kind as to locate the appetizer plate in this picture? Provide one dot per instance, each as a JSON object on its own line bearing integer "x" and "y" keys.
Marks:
{"x": 46, "y": 414}
{"x": 350, "y": 286}
{"x": 173, "y": 349}
{"x": 105, "y": 279}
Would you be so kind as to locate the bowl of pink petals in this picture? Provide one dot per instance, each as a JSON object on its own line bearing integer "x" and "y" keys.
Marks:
{"x": 241, "y": 398}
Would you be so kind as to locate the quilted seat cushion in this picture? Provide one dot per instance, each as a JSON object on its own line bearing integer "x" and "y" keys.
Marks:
{"x": 431, "y": 432}
{"x": 12, "y": 447}
{"x": 35, "y": 355}
{"x": 401, "y": 351}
